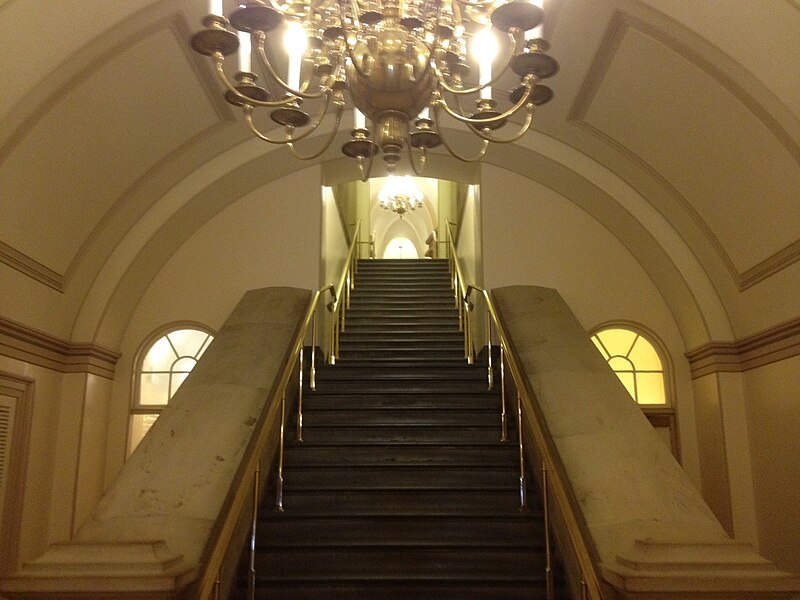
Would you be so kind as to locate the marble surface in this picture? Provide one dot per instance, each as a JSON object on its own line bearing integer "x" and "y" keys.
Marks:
{"x": 154, "y": 521}
{"x": 640, "y": 507}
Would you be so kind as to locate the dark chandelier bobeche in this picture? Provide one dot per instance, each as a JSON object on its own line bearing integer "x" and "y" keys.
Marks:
{"x": 400, "y": 64}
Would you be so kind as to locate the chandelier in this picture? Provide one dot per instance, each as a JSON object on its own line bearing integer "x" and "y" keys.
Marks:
{"x": 405, "y": 64}
{"x": 400, "y": 196}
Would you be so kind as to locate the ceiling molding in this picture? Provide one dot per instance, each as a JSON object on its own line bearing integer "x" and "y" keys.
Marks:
{"x": 769, "y": 266}
{"x": 32, "y": 346}
{"x": 757, "y": 350}
{"x": 619, "y": 25}
{"x": 30, "y": 267}
{"x": 82, "y": 65}
{"x": 24, "y": 118}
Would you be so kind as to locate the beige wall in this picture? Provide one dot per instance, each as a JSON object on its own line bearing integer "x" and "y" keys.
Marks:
{"x": 772, "y": 396}
{"x": 531, "y": 235}
{"x": 49, "y": 461}
{"x": 271, "y": 237}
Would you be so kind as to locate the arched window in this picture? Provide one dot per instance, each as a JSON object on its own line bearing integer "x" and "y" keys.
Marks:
{"x": 163, "y": 363}
{"x": 639, "y": 361}
{"x": 635, "y": 360}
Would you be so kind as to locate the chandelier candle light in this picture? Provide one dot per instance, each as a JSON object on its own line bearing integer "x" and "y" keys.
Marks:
{"x": 404, "y": 64}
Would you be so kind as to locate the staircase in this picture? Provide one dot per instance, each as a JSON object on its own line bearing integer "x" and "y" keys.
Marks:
{"x": 401, "y": 488}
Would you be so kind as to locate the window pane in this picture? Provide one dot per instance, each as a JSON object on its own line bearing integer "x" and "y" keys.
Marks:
{"x": 644, "y": 356}
{"x": 177, "y": 380}
{"x": 140, "y": 425}
{"x": 154, "y": 389}
{"x": 617, "y": 341}
{"x": 619, "y": 363}
{"x": 183, "y": 365}
{"x": 188, "y": 342}
{"x": 160, "y": 356}
{"x": 651, "y": 388}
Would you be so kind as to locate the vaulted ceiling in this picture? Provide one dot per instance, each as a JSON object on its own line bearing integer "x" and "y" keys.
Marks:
{"x": 113, "y": 134}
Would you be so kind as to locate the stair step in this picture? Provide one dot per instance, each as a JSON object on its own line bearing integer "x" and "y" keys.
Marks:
{"x": 417, "y": 434}
{"x": 413, "y": 477}
{"x": 410, "y": 563}
{"x": 391, "y": 372}
{"x": 402, "y": 400}
{"x": 396, "y": 417}
{"x": 346, "y": 343}
{"x": 402, "y": 589}
{"x": 400, "y": 386}
{"x": 308, "y": 454}
{"x": 292, "y": 531}
{"x": 467, "y": 502}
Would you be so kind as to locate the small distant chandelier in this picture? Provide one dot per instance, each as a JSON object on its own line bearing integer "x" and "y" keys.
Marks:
{"x": 400, "y": 196}
{"x": 403, "y": 63}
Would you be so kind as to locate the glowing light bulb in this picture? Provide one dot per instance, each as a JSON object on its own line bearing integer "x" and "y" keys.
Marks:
{"x": 294, "y": 41}
{"x": 484, "y": 46}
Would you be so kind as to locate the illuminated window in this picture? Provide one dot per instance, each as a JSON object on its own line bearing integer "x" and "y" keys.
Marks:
{"x": 635, "y": 361}
{"x": 164, "y": 364}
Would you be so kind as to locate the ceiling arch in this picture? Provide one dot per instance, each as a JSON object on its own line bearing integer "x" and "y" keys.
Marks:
{"x": 666, "y": 126}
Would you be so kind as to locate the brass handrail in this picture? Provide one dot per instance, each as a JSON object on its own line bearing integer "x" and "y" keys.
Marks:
{"x": 458, "y": 284}
{"x": 341, "y": 296}
{"x": 554, "y": 479}
{"x": 250, "y": 467}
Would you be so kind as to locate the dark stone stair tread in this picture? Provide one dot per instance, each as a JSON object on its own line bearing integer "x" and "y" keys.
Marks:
{"x": 408, "y": 562}
{"x": 405, "y": 502}
{"x": 401, "y": 590}
{"x": 401, "y": 487}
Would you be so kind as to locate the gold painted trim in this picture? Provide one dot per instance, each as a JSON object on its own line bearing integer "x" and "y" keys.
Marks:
{"x": 29, "y": 345}
{"x": 30, "y": 267}
{"x": 769, "y": 346}
{"x": 619, "y": 24}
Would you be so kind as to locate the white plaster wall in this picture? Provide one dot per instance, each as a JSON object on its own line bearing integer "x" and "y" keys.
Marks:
{"x": 469, "y": 238}
{"x": 271, "y": 237}
{"x": 531, "y": 235}
{"x": 772, "y": 399}
{"x": 334, "y": 241}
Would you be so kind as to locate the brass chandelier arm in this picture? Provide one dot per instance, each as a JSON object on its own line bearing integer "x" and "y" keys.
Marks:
{"x": 523, "y": 130}
{"x": 262, "y": 55}
{"x": 248, "y": 116}
{"x": 451, "y": 150}
{"x": 218, "y": 61}
{"x": 326, "y": 145}
{"x": 513, "y": 48}
{"x": 527, "y": 82}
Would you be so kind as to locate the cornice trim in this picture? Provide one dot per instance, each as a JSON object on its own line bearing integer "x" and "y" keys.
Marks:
{"x": 30, "y": 345}
{"x": 753, "y": 97}
{"x": 757, "y": 350}
{"x": 30, "y": 267}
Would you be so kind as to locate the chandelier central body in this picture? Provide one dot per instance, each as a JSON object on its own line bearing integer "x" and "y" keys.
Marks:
{"x": 404, "y": 67}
